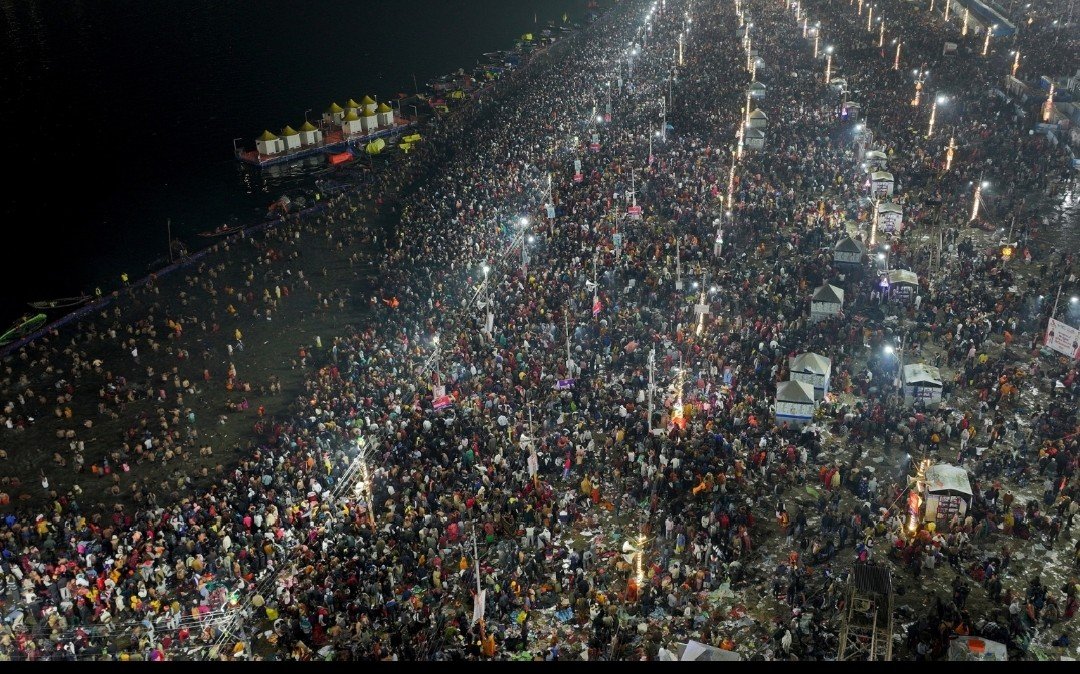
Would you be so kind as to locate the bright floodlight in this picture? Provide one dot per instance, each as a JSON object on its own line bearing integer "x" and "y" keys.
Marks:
{"x": 486, "y": 269}
{"x": 524, "y": 222}
{"x": 941, "y": 99}
{"x": 532, "y": 239}
{"x": 1074, "y": 299}
{"x": 881, "y": 256}
{"x": 889, "y": 349}
{"x": 985, "y": 184}
{"x": 828, "y": 50}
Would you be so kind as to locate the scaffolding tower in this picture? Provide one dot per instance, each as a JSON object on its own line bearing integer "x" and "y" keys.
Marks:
{"x": 867, "y": 623}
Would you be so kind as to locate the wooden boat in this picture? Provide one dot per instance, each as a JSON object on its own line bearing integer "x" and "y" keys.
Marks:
{"x": 222, "y": 231}
{"x": 61, "y": 303}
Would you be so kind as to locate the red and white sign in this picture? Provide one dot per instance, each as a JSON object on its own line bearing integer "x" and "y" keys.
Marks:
{"x": 596, "y": 307}
{"x": 634, "y": 212}
{"x": 578, "y": 177}
{"x": 595, "y": 147}
{"x": 442, "y": 402}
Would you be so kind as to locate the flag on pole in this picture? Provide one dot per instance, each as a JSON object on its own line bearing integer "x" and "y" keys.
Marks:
{"x": 478, "y": 606}
{"x": 596, "y": 307}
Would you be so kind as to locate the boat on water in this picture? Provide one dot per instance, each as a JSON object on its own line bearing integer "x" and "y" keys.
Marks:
{"x": 61, "y": 303}
{"x": 23, "y": 327}
{"x": 223, "y": 230}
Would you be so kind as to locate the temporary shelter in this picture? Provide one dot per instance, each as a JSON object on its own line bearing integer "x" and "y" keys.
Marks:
{"x": 758, "y": 119}
{"x": 851, "y": 110}
{"x": 756, "y": 90}
{"x": 890, "y": 217}
{"x": 310, "y": 135}
{"x": 350, "y": 124}
{"x": 848, "y": 252}
{"x": 922, "y": 383}
{"x": 693, "y": 651}
{"x": 826, "y": 301}
{"x": 353, "y": 106}
{"x": 268, "y": 143}
{"x": 376, "y": 146}
{"x": 813, "y": 369}
{"x": 755, "y": 139}
{"x": 794, "y": 403}
{"x": 291, "y": 138}
{"x": 334, "y": 114}
{"x": 385, "y": 115}
{"x": 881, "y": 184}
{"x": 875, "y": 159}
{"x": 947, "y": 493}
{"x": 369, "y": 118}
{"x": 964, "y": 648}
{"x": 901, "y": 284}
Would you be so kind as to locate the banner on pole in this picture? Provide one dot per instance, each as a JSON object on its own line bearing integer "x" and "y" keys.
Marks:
{"x": 564, "y": 384}
{"x": 442, "y": 402}
{"x": 479, "y": 599}
{"x": 1063, "y": 338}
{"x": 596, "y": 307}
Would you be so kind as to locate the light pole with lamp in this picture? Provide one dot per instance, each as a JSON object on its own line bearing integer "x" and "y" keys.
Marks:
{"x": 1016, "y": 62}
{"x": 979, "y": 187}
{"x": 938, "y": 100}
{"x": 986, "y": 42}
{"x": 896, "y": 59}
{"x": 526, "y": 239}
{"x": 828, "y": 64}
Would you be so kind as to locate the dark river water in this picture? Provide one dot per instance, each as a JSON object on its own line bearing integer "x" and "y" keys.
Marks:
{"x": 119, "y": 117}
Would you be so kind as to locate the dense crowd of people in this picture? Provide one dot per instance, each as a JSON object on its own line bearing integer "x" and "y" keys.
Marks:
{"x": 486, "y": 430}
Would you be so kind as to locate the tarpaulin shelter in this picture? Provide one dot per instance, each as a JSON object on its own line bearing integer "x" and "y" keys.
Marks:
{"x": 964, "y": 648}
{"x": 813, "y": 369}
{"x": 794, "y": 403}
{"x": 890, "y": 217}
{"x": 881, "y": 183}
{"x": 922, "y": 382}
{"x": 947, "y": 493}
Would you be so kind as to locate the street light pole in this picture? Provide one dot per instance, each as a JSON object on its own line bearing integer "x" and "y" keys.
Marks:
{"x": 652, "y": 384}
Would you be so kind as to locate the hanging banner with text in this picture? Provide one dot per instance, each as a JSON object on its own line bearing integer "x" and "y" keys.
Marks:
{"x": 1062, "y": 338}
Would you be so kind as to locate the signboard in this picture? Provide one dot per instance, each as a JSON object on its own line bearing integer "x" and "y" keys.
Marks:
{"x": 1063, "y": 338}
{"x": 616, "y": 240}
{"x": 595, "y": 144}
{"x": 550, "y": 212}
{"x": 534, "y": 464}
{"x": 596, "y": 307}
{"x": 634, "y": 212}
{"x": 564, "y": 384}
{"x": 577, "y": 166}
{"x": 438, "y": 391}
{"x": 442, "y": 402}
{"x": 727, "y": 375}
{"x": 578, "y": 177}
{"x": 701, "y": 309}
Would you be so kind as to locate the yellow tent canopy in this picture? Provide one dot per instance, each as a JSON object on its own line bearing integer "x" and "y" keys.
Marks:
{"x": 334, "y": 107}
{"x": 527, "y": 37}
{"x": 266, "y": 135}
{"x": 352, "y": 104}
{"x": 457, "y": 94}
{"x": 383, "y": 107}
{"x": 411, "y": 138}
{"x": 405, "y": 147}
{"x": 289, "y": 131}
{"x": 351, "y": 117}
{"x": 366, "y": 100}
{"x": 308, "y": 126}
{"x": 376, "y": 146}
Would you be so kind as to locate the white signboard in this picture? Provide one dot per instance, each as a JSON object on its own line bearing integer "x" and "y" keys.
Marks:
{"x": 1062, "y": 338}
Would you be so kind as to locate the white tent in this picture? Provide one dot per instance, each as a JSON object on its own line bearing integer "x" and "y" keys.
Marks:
{"x": 890, "y": 217}
{"x": 756, "y": 90}
{"x": 758, "y": 119}
{"x": 849, "y": 252}
{"x": 813, "y": 369}
{"x": 922, "y": 382}
{"x": 794, "y": 403}
{"x": 948, "y": 492}
{"x": 693, "y": 651}
{"x": 826, "y": 301}
{"x": 881, "y": 183}
{"x": 852, "y": 110}
{"x": 268, "y": 143}
{"x": 876, "y": 156}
